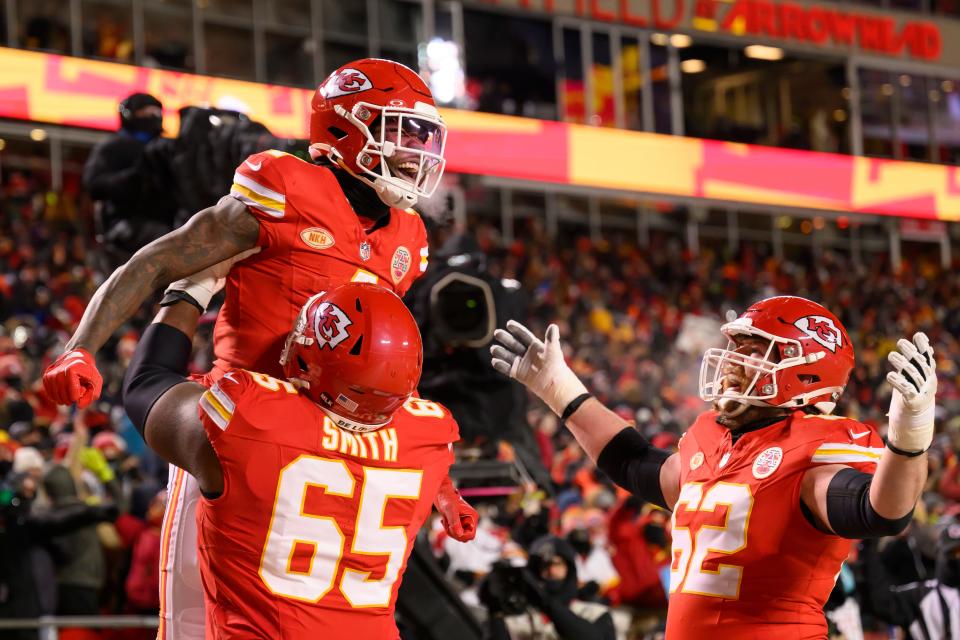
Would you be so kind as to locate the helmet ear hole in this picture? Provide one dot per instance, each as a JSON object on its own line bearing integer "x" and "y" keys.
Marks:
{"x": 809, "y": 379}
{"x": 355, "y": 351}
{"x": 301, "y": 364}
{"x": 337, "y": 133}
{"x": 359, "y": 306}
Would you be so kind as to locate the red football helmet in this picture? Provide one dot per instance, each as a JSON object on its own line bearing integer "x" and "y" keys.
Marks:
{"x": 356, "y": 352}
{"x": 808, "y": 361}
{"x": 377, "y": 119}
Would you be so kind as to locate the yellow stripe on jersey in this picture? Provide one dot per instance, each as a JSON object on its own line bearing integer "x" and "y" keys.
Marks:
{"x": 215, "y": 409}
{"x": 846, "y": 452}
{"x": 253, "y": 194}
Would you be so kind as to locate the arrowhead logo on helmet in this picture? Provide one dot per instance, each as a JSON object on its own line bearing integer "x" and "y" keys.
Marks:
{"x": 822, "y": 330}
{"x": 330, "y": 325}
{"x": 345, "y": 82}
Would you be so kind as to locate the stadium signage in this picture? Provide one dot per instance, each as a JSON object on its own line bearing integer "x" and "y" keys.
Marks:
{"x": 73, "y": 92}
{"x": 821, "y": 26}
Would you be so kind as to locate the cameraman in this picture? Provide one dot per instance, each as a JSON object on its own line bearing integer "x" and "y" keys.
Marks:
{"x": 131, "y": 209}
{"x": 538, "y": 601}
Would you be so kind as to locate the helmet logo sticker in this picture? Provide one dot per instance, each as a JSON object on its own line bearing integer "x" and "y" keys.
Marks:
{"x": 400, "y": 264}
{"x": 346, "y": 82}
{"x": 822, "y": 330}
{"x": 330, "y": 325}
{"x": 767, "y": 462}
{"x": 317, "y": 238}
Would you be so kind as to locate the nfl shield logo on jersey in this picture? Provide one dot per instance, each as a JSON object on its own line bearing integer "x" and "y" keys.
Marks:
{"x": 330, "y": 325}
{"x": 364, "y": 250}
{"x": 400, "y": 264}
{"x": 767, "y": 462}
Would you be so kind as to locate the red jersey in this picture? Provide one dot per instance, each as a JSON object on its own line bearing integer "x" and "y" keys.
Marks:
{"x": 312, "y": 533}
{"x": 746, "y": 562}
{"x": 312, "y": 241}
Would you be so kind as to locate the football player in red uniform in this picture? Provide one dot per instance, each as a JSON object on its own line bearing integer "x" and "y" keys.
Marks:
{"x": 768, "y": 486}
{"x": 378, "y": 141}
{"x": 314, "y": 485}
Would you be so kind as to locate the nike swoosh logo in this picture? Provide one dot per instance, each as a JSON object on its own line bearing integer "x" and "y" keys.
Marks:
{"x": 255, "y": 167}
{"x": 858, "y": 435}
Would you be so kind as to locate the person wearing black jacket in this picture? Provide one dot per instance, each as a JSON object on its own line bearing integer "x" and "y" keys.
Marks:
{"x": 539, "y": 600}
{"x": 926, "y": 609}
{"x": 131, "y": 210}
{"x": 27, "y": 582}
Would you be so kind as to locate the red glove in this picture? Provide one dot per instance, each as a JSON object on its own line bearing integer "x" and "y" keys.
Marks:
{"x": 459, "y": 518}
{"x": 73, "y": 377}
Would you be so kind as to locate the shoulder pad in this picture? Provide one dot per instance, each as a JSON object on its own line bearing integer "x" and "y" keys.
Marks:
{"x": 258, "y": 183}
{"x": 433, "y": 418}
{"x": 846, "y": 441}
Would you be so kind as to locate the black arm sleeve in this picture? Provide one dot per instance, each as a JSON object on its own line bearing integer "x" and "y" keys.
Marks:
{"x": 571, "y": 626}
{"x": 634, "y": 464}
{"x": 160, "y": 362}
{"x": 849, "y": 512}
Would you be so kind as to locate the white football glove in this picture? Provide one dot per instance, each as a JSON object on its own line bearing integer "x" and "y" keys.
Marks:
{"x": 913, "y": 404}
{"x": 536, "y": 364}
{"x": 205, "y": 284}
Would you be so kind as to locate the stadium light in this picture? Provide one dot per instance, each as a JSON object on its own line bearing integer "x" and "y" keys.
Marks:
{"x": 659, "y": 39}
{"x": 681, "y": 40}
{"x": 38, "y": 135}
{"x": 3, "y": 144}
{"x": 763, "y": 52}
{"x": 444, "y": 73}
{"x": 693, "y": 65}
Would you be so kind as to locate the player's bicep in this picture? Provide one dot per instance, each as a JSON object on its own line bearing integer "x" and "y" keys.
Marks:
{"x": 174, "y": 431}
{"x": 814, "y": 489}
{"x": 211, "y": 236}
{"x": 670, "y": 480}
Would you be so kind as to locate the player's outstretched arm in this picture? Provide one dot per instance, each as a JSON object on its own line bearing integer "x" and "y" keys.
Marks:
{"x": 212, "y": 235}
{"x": 857, "y": 505}
{"x": 162, "y": 403}
{"x": 617, "y": 448}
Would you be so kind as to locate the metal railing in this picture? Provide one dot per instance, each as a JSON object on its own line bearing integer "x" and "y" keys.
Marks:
{"x": 49, "y": 626}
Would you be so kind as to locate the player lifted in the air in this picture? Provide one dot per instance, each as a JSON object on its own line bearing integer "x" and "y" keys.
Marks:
{"x": 378, "y": 141}
{"x": 768, "y": 485}
{"x": 314, "y": 485}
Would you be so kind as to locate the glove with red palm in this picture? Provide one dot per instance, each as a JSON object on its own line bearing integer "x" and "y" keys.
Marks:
{"x": 73, "y": 377}
{"x": 459, "y": 518}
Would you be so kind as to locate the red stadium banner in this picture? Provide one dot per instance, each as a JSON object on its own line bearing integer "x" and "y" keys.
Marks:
{"x": 84, "y": 93}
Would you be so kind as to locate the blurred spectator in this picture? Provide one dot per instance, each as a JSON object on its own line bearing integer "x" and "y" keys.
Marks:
{"x": 78, "y": 555}
{"x": 143, "y": 581}
{"x": 131, "y": 210}
{"x": 28, "y": 585}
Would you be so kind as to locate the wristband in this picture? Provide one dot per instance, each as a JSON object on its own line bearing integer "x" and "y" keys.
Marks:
{"x": 173, "y": 296}
{"x": 906, "y": 454}
{"x": 574, "y": 405}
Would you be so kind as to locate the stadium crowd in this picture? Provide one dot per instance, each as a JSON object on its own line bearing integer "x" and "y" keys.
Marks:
{"x": 82, "y": 498}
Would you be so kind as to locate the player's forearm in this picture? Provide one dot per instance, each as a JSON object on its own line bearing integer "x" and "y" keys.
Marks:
{"x": 116, "y": 300}
{"x": 594, "y": 426}
{"x": 181, "y": 316}
{"x": 897, "y": 484}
